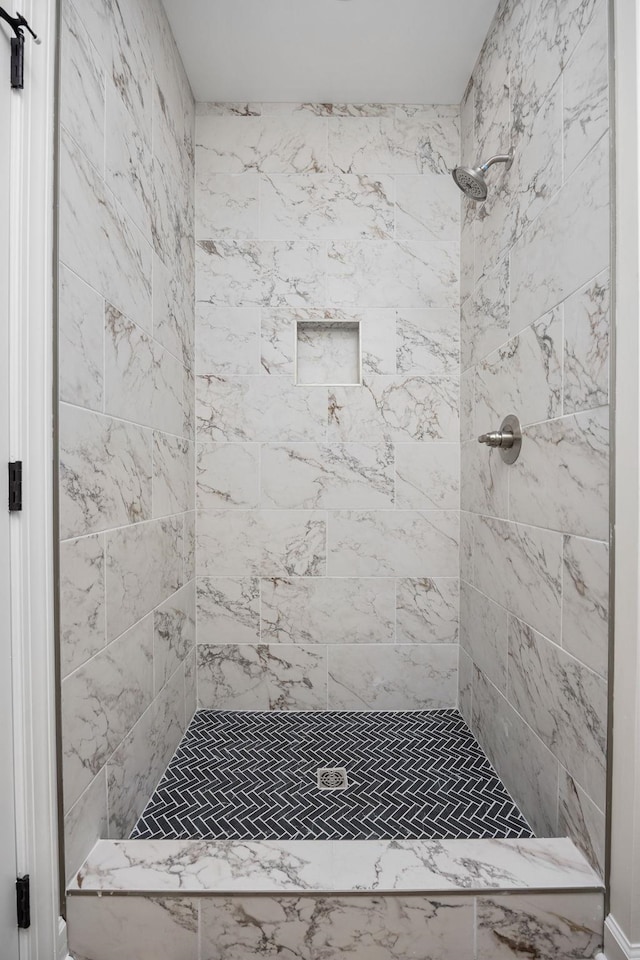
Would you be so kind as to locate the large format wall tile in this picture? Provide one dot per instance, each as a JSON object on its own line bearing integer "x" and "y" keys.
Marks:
{"x": 228, "y": 609}
{"x": 586, "y": 346}
{"x": 277, "y": 145}
{"x": 82, "y": 601}
{"x": 585, "y": 602}
{"x": 427, "y": 610}
{"x": 80, "y": 342}
{"x": 427, "y": 476}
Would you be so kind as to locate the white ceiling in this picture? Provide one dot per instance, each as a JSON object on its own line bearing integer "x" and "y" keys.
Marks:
{"x": 330, "y": 51}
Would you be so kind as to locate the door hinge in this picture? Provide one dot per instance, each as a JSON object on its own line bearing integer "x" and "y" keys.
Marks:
{"x": 23, "y": 902}
{"x": 15, "y": 485}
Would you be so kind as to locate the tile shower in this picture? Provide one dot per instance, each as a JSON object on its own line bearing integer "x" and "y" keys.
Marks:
{"x": 280, "y": 333}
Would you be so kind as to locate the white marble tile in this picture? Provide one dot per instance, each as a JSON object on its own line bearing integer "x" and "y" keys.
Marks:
{"x": 189, "y": 546}
{"x": 94, "y": 14}
{"x": 427, "y": 611}
{"x": 484, "y": 317}
{"x": 85, "y": 824}
{"x": 259, "y": 409}
{"x": 228, "y": 340}
{"x": 100, "y": 702}
{"x": 174, "y": 633}
{"x": 228, "y": 475}
{"x": 395, "y": 409}
{"x": 173, "y": 472}
{"x": 143, "y": 927}
{"x": 581, "y": 820}
{"x": 586, "y": 346}
{"x": 228, "y": 609}
{"x": 402, "y": 543}
{"x": 378, "y": 342}
{"x": 567, "y": 244}
{"x": 387, "y": 273}
{"x": 564, "y": 702}
{"x": 399, "y": 677}
{"x": 562, "y": 478}
{"x": 262, "y": 677}
{"x": 428, "y": 341}
{"x": 82, "y": 601}
{"x": 551, "y": 927}
{"x": 80, "y": 342}
{"x": 327, "y": 207}
{"x": 521, "y": 568}
{"x": 228, "y": 109}
{"x": 328, "y": 352}
{"x": 227, "y": 205}
{"x": 328, "y": 610}
{"x": 394, "y": 145}
{"x": 465, "y": 686}
{"x": 237, "y": 273}
{"x": 233, "y": 144}
{"x": 484, "y": 479}
{"x": 524, "y": 376}
{"x": 144, "y": 567}
{"x": 335, "y": 476}
{"x": 585, "y": 602}
{"x": 82, "y": 81}
{"x": 131, "y": 44}
{"x": 468, "y": 405}
{"x": 97, "y": 240}
{"x": 278, "y": 338}
{"x": 267, "y": 543}
{"x": 427, "y": 208}
{"x": 467, "y": 545}
{"x": 105, "y": 472}
{"x": 128, "y": 158}
{"x": 484, "y": 634}
{"x": 190, "y": 686}
{"x": 585, "y": 90}
{"x": 427, "y": 476}
{"x": 173, "y": 309}
{"x": 355, "y": 928}
{"x": 527, "y": 768}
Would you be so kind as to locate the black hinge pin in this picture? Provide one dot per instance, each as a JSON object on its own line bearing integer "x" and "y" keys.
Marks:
{"x": 23, "y": 902}
{"x": 15, "y": 485}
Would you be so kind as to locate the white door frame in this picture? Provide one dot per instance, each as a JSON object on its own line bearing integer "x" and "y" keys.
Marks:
{"x": 31, "y": 440}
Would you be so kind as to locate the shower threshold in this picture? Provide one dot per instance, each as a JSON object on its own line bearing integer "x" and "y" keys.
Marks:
{"x": 258, "y": 776}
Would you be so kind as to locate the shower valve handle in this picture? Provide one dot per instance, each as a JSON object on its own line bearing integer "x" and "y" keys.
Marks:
{"x": 497, "y": 438}
{"x": 508, "y": 439}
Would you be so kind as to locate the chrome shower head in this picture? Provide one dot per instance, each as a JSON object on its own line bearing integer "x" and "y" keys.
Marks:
{"x": 471, "y": 180}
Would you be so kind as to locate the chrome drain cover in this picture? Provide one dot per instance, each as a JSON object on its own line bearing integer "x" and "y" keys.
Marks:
{"x": 332, "y": 778}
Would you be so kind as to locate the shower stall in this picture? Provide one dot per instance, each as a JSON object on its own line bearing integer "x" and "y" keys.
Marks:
{"x": 334, "y": 674}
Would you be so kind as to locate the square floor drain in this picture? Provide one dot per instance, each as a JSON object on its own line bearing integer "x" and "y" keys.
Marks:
{"x": 332, "y": 778}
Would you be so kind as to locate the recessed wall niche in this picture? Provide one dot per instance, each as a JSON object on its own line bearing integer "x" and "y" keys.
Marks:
{"x": 328, "y": 352}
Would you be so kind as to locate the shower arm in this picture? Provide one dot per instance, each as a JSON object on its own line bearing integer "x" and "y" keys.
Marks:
{"x": 499, "y": 158}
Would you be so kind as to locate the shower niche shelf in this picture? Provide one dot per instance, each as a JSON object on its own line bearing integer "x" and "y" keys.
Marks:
{"x": 328, "y": 353}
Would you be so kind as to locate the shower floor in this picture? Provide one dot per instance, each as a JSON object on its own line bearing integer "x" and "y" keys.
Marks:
{"x": 253, "y": 776}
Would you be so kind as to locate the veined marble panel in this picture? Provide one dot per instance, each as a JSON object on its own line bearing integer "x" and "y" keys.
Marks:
{"x": 465, "y": 686}
{"x": 484, "y": 317}
{"x": 230, "y": 108}
{"x": 328, "y": 610}
{"x": 85, "y": 824}
{"x": 336, "y": 476}
{"x": 468, "y": 405}
{"x": 562, "y": 480}
{"x": 521, "y": 567}
{"x": 399, "y": 677}
{"x": 190, "y": 686}
{"x": 80, "y": 343}
{"x": 82, "y": 80}
{"x": 98, "y": 241}
{"x": 387, "y": 273}
{"x": 427, "y": 611}
{"x": 467, "y": 546}
{"x": 259, "y": 409}
{"x": 395, "y": 409}
{"x": 173, "y": 321}
{"x": 564, "y": 702}
{"x": 236, "y": 273}
{"x": 132, "y": 59}
{"x": 228, "y": 609}
{"x": 567, "y": 244}
{"x": 427, "y": 476}
{"x": 484, "y": 478}
{"x": 401, "y": 543}
{"x": 267, "y": 543}
{"x": 585, "y": 602}
{"x": 189, "y": 546}
{"x": 585, "y": 90}
{"x": 427, "y": 208}
{"x": 398, "y": 145}
{"x": 105, "y": 472}
{"x": 82, "y": 601}
{"x": 107, "y": 929}
{"x": 173, "y": 471}
{"x": 524, "y": 375}
{"x": 528, "y": 769}
{"x": 262, "y": 677}
{"x": 580, "y": 819}
{"x": 128, "y": 158}
{"x": 95, "y": 17}
{"x": 100, "y": 702}
{"x": 174, "y": 633}
{"x": 428, "y": 341}
{"x": 232, "y": 144}
{"x": 484, "y": 634}
{"x": 228, "y": 340}
{"x": 327, "y": 207}
{"x": 227, "y": 204}
{"x": 228, "y": 475}
{"x": 145, "y": 565}
{"x": 586, "y": 346}
{"x": 355, "y": 928}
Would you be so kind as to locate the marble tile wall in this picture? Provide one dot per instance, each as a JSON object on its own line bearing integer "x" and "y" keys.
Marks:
{"x": 327, "y": 516}
{"x": 535, "y": 342}
{"x": 127, "y": 445}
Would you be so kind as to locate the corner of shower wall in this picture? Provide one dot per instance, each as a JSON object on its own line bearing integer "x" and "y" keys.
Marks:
{"x": 126, "y": 414}
{"x": 535, "y": 342}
